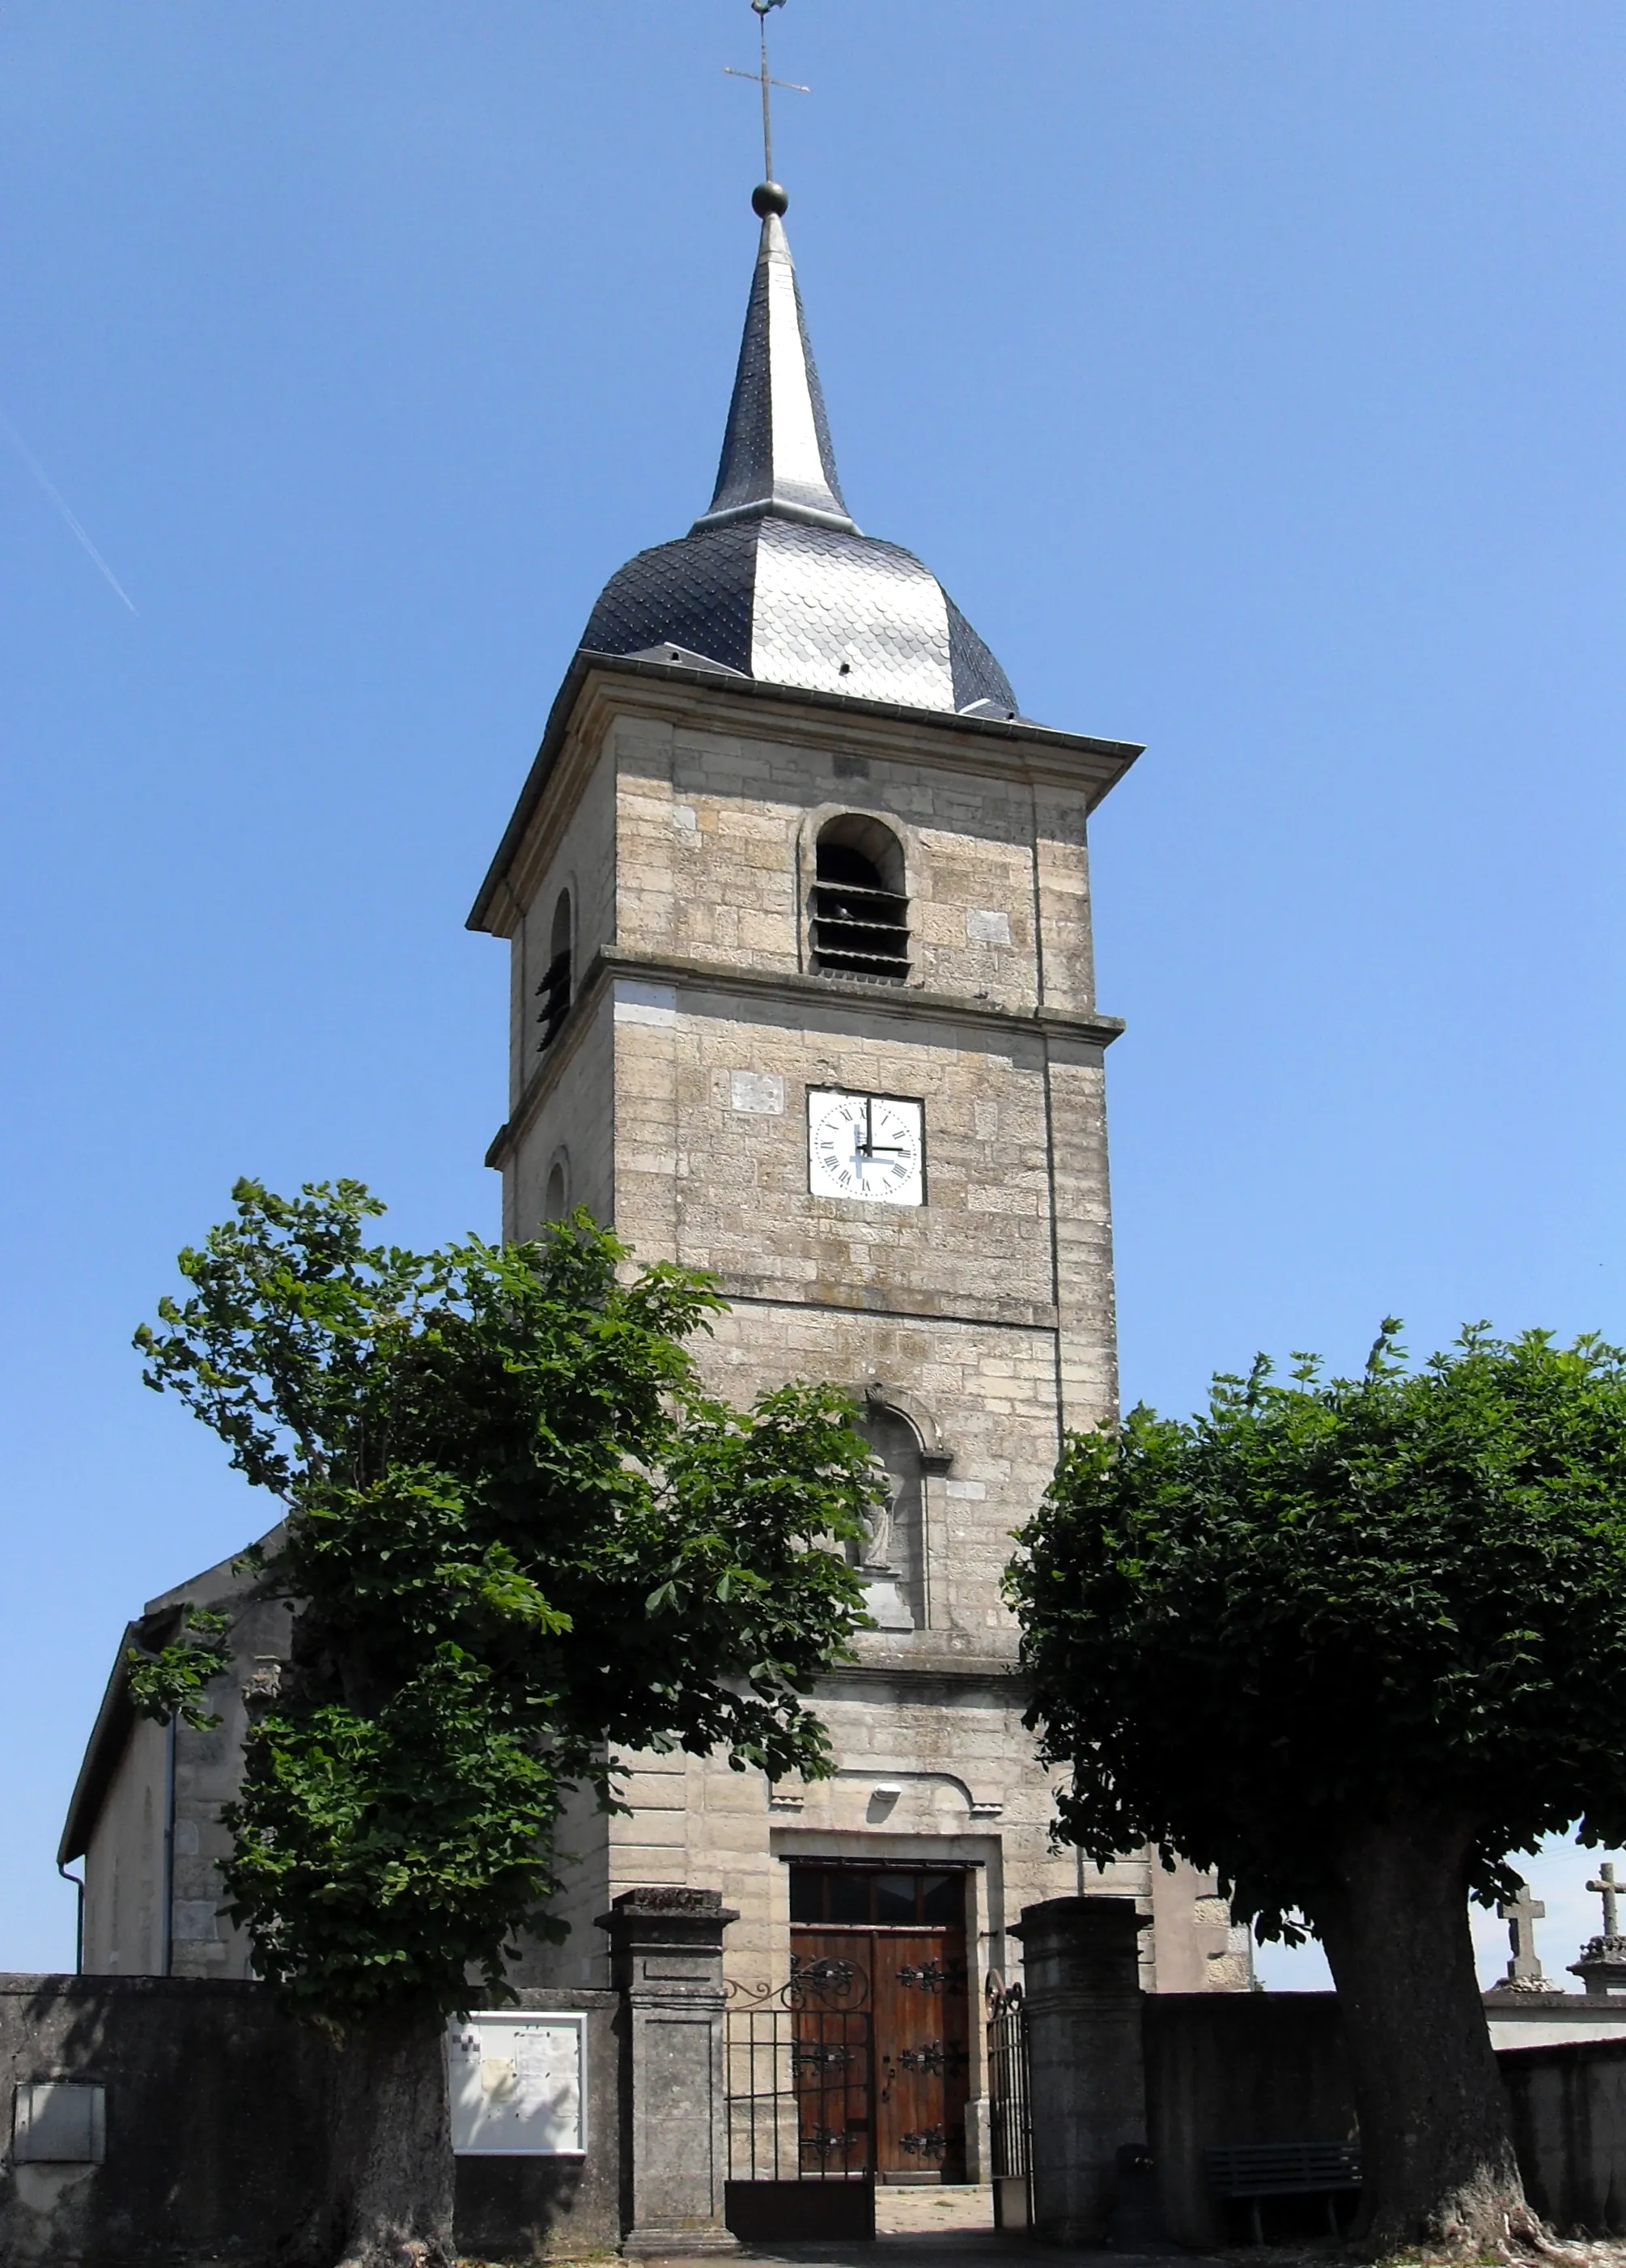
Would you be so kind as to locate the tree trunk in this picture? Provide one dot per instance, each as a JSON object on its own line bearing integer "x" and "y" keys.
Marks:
{"x": 390, "y": 2195}
{"x": 1436, "y": 2148}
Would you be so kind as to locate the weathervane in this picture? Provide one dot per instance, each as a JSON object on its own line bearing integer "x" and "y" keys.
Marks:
{"x": 794, "y": 87}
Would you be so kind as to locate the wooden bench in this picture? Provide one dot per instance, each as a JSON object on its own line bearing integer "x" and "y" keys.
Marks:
{"x": 1247, "y": 2172}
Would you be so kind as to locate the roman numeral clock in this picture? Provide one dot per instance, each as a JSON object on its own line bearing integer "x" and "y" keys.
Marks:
{"x": 865, "y": 1145}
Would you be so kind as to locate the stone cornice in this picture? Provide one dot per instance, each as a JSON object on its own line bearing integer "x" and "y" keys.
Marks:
{"x": 936, "y": 1666}
{"x": 669, "y": 693}
{"x": 900, "y": 1004}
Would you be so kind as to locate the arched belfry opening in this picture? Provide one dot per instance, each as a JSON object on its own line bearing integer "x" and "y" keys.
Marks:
{"x": 893, "y": 1558}
{"x": 860, "y": 903}
{"x": 554, "y": 992}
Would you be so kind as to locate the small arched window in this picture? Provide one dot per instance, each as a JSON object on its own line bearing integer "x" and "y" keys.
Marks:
{"x": 557, "y": 1203}
{"x": 860, "y": 912}
{"x": 554, "y": 992}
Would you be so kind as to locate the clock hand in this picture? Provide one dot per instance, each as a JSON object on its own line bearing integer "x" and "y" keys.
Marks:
{"x": 870, "y": 1147}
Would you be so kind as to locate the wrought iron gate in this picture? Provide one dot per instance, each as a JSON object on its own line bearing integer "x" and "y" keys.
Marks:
{"x": 1010, "y": 2123}
{"x": 799, "y": 2060}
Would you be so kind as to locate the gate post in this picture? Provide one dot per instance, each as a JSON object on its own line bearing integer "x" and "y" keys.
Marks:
{"x": 666, "y": 1963}
{"x": 1081, "y": 1984}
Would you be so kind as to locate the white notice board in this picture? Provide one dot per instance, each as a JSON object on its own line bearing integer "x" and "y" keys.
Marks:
{"x": 517, "y": 2080}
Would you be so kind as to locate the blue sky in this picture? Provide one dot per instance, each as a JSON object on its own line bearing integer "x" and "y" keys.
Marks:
{"x": 1249, "y": 370}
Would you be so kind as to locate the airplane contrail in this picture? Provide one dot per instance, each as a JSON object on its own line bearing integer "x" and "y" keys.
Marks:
{"x": 63, "y": 507}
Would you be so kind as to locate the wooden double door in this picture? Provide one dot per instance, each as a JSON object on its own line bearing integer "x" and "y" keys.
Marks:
{"x": 906, "y": 1931}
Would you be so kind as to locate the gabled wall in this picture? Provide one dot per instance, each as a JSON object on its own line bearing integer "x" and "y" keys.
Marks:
{"x": 153, "y": 1838}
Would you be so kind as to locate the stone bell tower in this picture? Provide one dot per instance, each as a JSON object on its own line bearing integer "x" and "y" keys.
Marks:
{"x": 799, "y": 910}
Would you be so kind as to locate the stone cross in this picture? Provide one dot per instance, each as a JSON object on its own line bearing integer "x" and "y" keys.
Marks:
{"x": 1609, "y": 1890}
{"x": 1521, "y": 1914}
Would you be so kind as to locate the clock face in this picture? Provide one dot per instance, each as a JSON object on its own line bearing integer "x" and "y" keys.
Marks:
{"x": 865, "y": 1145}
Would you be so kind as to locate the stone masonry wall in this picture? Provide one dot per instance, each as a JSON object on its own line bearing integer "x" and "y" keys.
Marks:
{"x": 713, "y": 1171}
{"x": 203, "y": 1941}
{"x": 574, "y": 850}
{"x": 574, "y": 1120}
{"x": 716, "y": 836}
{"x": 1088, "y": 1344}
{"x": 992, "y": 1392}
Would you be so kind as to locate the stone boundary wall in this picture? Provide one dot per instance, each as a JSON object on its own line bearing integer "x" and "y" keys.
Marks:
{"x": 215, "y": 2121}
{"x": 1568, "y": 2103}
{"x": 1229, "y": 2067}
{"x": 217, "y": 2133}
{"x": 1226, "y": 2068}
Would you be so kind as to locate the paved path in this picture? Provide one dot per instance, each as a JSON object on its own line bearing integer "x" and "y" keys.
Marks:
{"x": 955, "y": 2248}
{"x": 940, "y": 2226}
{"x": 905, "y": 2210}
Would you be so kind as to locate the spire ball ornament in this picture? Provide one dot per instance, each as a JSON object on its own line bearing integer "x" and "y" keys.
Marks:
{"x": 768, "y": 196}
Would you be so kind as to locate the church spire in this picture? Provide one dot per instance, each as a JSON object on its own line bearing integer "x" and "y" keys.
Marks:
{"x": 777, "y": 455}
{"x": 774, "y": 582}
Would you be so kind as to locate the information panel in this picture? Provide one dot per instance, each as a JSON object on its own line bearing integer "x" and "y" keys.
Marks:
{"x": 517, "y": 2083}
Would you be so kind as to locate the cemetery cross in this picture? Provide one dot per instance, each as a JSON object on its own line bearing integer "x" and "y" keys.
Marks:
{"x": 1521, "y": 1915}
{"x": 1609, "y": 1890}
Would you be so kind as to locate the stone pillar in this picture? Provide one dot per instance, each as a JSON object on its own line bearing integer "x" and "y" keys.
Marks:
{"x": 1087, "y": 2083}
{"x": 666, "y": 1963}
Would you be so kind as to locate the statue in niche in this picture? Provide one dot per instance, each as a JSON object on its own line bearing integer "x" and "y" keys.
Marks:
{"x": 882, "y": 1520}
{"x": 890, "y": 1558}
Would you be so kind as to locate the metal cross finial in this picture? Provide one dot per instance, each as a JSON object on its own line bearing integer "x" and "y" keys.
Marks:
{"x": 1609, "y": 1890}
{"x": 761, "y": 75}
{"x": 1521, "y": 1915}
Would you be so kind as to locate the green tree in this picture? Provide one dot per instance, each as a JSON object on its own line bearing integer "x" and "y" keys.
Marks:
{"x": 1351, "y": 1642}
{"x": 518, "y": 1537}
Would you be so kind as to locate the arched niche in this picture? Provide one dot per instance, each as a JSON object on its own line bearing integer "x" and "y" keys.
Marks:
{"x": 894, "y": 1559}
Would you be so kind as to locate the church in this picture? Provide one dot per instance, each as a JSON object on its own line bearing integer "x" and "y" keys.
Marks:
{"x": 797, "y": 905}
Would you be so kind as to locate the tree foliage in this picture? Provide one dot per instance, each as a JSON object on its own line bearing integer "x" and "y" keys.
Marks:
{"x": 518, "y": 1537}
{"x": 1327, "y": 1602}
{"x": 172, "y": 1682}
